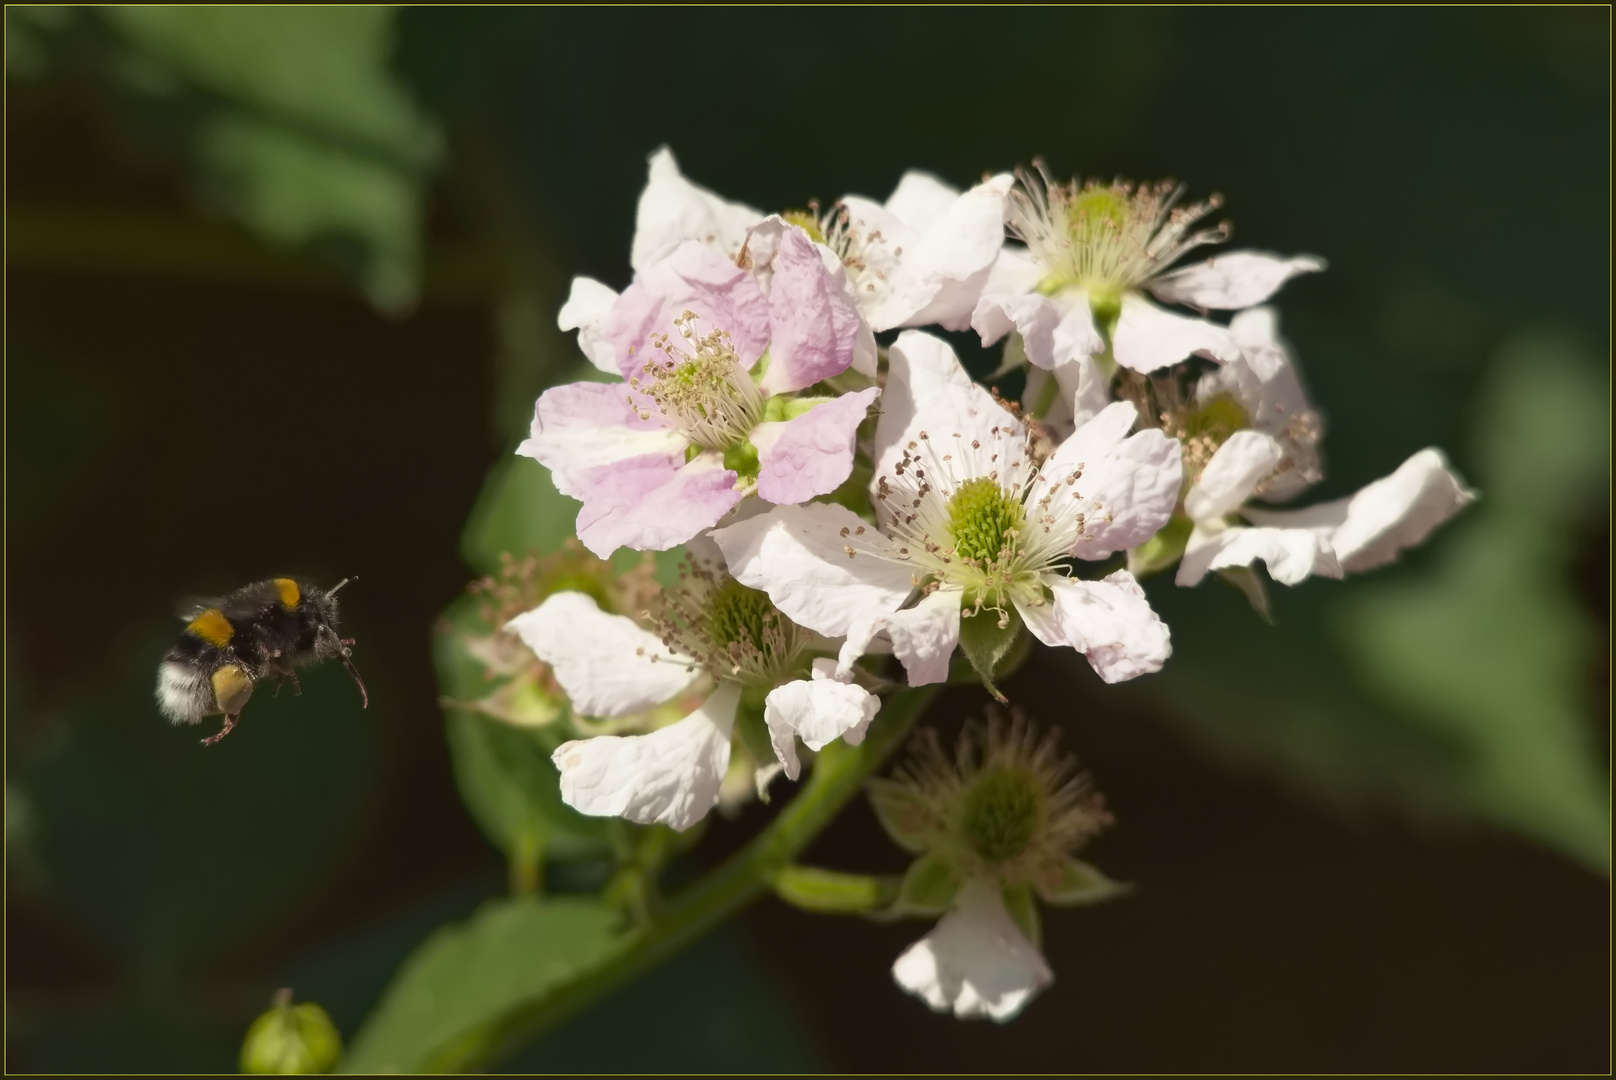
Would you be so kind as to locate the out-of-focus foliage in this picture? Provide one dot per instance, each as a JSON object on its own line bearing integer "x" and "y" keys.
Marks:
{"x": 291, "y": 117}
{"x": 1471, "y": 692}
{"x": 468, "y": 976}
{"x": 1489, "y": 648}
{"x": 173, "y": 876}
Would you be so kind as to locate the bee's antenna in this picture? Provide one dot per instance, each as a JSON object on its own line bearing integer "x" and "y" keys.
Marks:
{"x": 332, "y": 591}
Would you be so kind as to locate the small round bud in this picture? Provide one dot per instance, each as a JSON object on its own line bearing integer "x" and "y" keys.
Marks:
{"x": 291, "y": 1039}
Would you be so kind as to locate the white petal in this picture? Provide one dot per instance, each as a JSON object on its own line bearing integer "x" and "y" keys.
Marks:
{"x": 1109, "y": 621}
{"x": 1370, "y": 528}
{"x": 1080, "y": 393}
{"x": 585, "y": 311}
{"x": 923, "y": 637}
{"x": 1267, "y": 384}
{"x": 976, "y": 962}
{"x": 1148, "y": 338}
{"x": 920, "y": 199}
{"x": 798, "y": 555}
{"x": 1014, "y": 272}
{"x": 942, "y": 270}
{"x": 1126, "y": 487}
{"x": 1054, "y": 331}
{"x": 670, "y": 776}
{"x": 817, "y": 711}
{"x": 1232, "y": 475}
{"x": 1291, "y": 555}
{"x": 672, "y": 209}
{"x": 929, "y": 392}
{"x": 606, "y": 663}
{"x": 1236, "y": 280}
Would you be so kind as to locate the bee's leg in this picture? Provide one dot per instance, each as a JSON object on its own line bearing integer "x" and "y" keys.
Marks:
{"x": 347, "y": 640}
{"x": 297, "y": 689}
{"x": 229, "y": 723}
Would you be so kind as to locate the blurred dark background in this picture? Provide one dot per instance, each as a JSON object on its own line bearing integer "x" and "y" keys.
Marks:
{"x": 281, "y": 289}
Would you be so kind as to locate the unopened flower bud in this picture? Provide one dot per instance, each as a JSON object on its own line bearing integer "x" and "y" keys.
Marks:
{"x": 291, "y": 1039}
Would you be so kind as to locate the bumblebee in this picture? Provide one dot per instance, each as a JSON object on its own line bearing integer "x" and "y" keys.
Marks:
{"x": 266, "y": 630}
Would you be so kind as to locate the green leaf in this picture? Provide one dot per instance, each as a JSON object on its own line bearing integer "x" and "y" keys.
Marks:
{"x": 929, "y": 887}
{"x": 1250, "y": 584}
{"x": 326, "y": 150}
{"x": 1074, "y": 883}
{"x": 518, "y": 511}
{"x": 1492, "y": 649}
{"x": 831, "y": 892}
{"x": 503, "y": 770}
{"x": 465, "y": 979}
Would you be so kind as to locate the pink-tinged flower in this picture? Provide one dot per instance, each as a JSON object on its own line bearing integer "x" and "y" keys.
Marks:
{"x": 924, "y": 256}
{"x": 969, "y": 526}
{"x": 1093, "y": 252}
{"x": 1257, "y": 439}
{"x": 717, "y": 640}
{"x": 707, "y": 412}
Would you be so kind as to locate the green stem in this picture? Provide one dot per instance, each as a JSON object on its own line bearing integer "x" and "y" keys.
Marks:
{"x": 838, "y": 774}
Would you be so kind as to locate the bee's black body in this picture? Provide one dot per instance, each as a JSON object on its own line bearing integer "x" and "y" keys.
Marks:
{"x": 267, "y": 629}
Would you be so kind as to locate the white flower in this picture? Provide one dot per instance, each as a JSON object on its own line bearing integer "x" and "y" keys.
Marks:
{"x": 1092, "y": 252}
{"x": 976, "y": 962}
{"x": 672, "y": 209}
{"x": 700, "y": 420}
{"x": 971, "y": 524}
{"x": 726, "y": 640}
{"x": 1274, "y": 456}
{"x": 926, "y": 254}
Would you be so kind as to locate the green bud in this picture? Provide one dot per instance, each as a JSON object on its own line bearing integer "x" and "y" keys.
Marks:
{"x": 1018, "y": 900}
{"x": 991, "y": 648}
{"x": 1162, "y": 550}
{"x": 929, "y": 887}
{"x": 833, "y": 893}
{"x": 1074, "y": 883}
{"x": 291, "y": 1039}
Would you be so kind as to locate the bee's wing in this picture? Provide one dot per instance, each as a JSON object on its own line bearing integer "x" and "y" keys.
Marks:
{"x": 189, "y": 607}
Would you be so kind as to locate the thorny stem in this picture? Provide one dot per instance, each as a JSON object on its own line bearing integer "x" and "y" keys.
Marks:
{"x": 838, "y": 774}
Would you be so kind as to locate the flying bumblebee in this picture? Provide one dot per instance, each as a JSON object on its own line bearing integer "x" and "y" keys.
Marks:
{"x": 266, "y": 630}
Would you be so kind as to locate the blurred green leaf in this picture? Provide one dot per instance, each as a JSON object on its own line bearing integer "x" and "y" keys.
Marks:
{"x": 518, "y": 511}
{"x": 1471, "y": 657}
{"x": 503, "y": 771}
{"x": 173, "y": 853}
{"x": 1492, "y": 647}
{"x": 304, "y": 134}
{"x": 466, "y": 977}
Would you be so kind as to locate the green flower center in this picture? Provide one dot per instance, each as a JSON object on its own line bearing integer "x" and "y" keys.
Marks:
{"x": 1003, "y": 812}
{"x": 983, "y": 521}
{"x": 806, "y": 221}
{"x": 737, "y": 615}
{"x": 1217, "y": 419}
{"x": 1096, "y": 211}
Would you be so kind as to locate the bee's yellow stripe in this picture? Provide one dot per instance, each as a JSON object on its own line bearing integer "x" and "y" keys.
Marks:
{"x": 212, "y": 627}
{"x": 291, "y": 595}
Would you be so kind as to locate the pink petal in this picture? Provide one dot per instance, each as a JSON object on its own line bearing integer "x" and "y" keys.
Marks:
{"x": 812, "y": 454}
{"x": 815, "y": 324}
{"x": 653, "y": 503}
{"x": 582, "y": 426}
{"x": 693, "y": 277}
